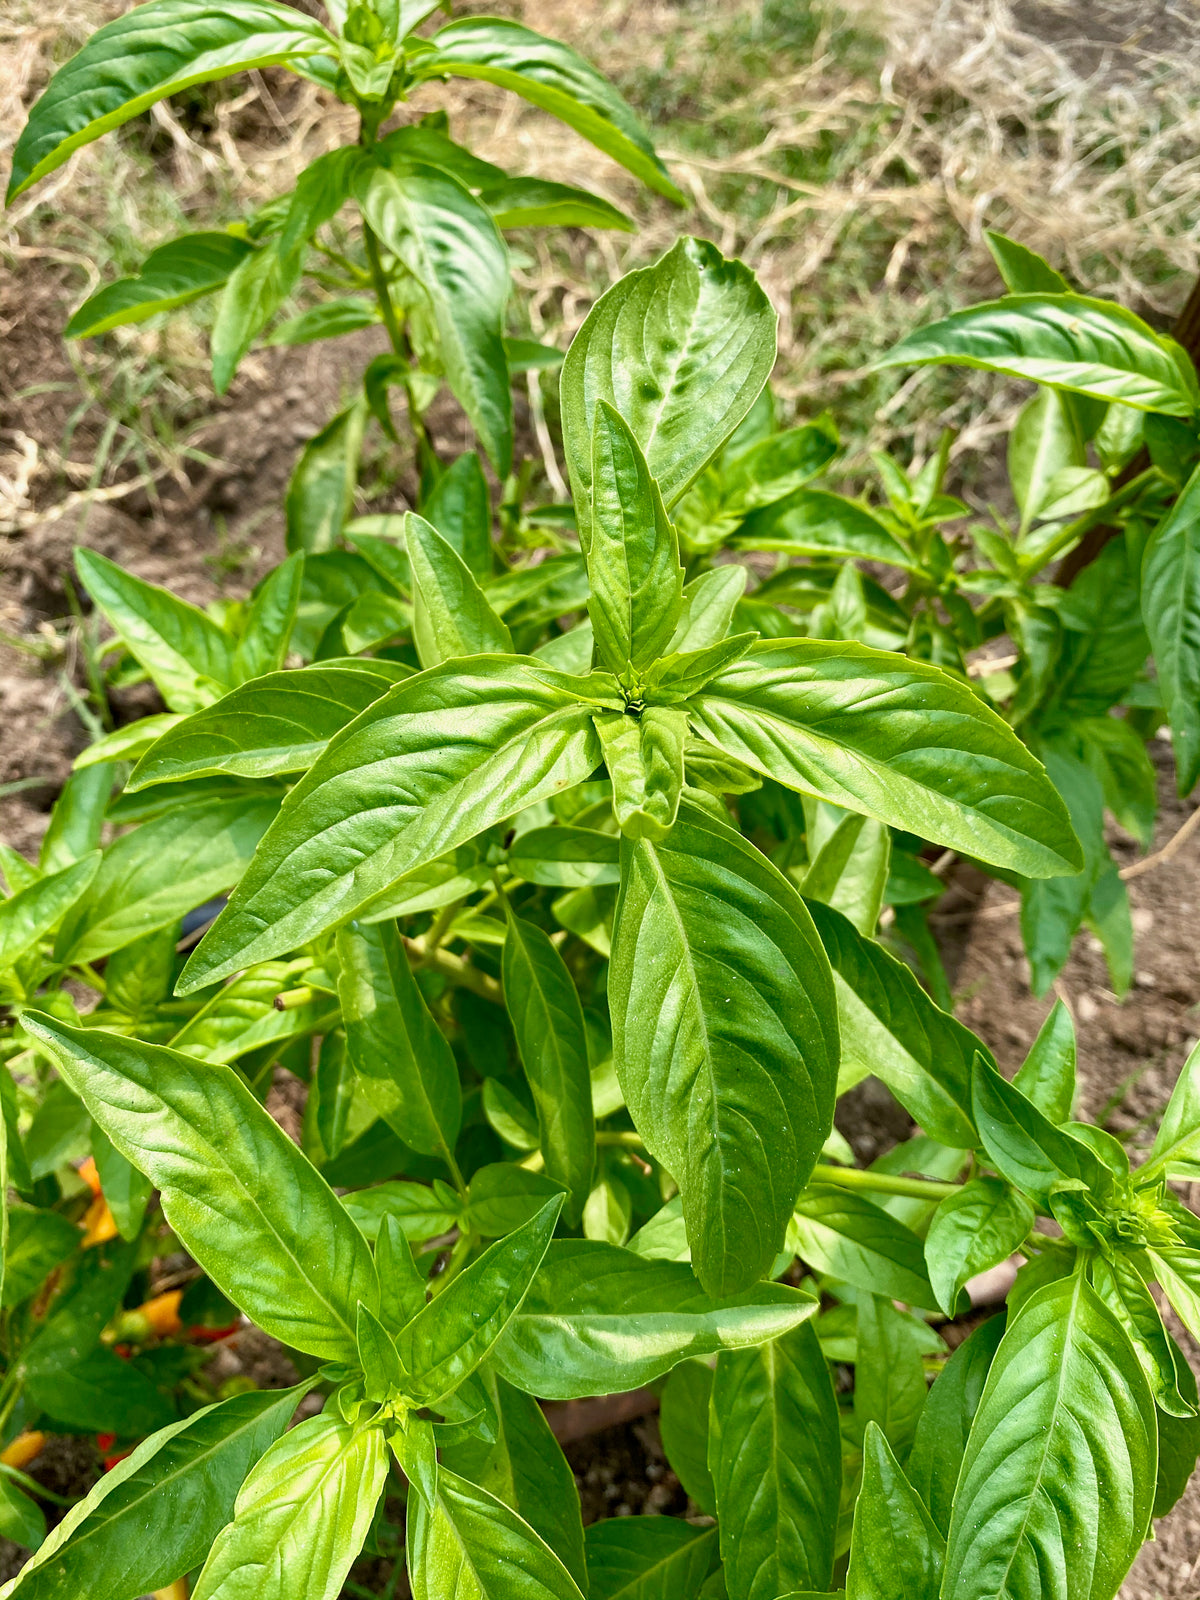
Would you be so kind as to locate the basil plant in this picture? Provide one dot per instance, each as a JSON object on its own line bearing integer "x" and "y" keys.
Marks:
{"x": 428, "y": 263}
{"x": 1104, "y": 472}
{"x": 572, "y": 1044}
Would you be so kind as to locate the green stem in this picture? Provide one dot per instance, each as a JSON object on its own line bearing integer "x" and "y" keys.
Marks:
{"x": 625, "y": 1141}
{"x": 397, "y": 337}
{"x": 884, "y": 1183}
{"x": 441, "y": 927}
{"x": 1074, "y": 531}
{"x": 457, "y": 971}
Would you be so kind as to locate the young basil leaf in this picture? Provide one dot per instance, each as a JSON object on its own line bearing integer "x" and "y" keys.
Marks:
{"x": 895, "y": 1548}
{"x": 1052, "y": 910}
{"x": 418, "y": 1210}
{"x": 599, "y": 1319}
{"x": 827, "y": 719}
{"x": 972, "y": 1230}
{"x": 189, "y": 658}
{"x": 556, "y": 78}
{"x": 889, "y": 1378}
{"x": 890, "y": 1026}
{"x": 1178, "y": 1274}
{"x": 945, "y": 1421}
{"x": 1023, "y": 270}
{"x": 76, "y": 821}
{"x": 850, "y": 871}
{"x": 681, "y": 349}
{"x": 451, "y": 614}
{"x": 470, "y": 1544}
{"x": 402, "y": 1288}
{"x": 300, "y": 1517}
{"x": 1176, "y": 1152}
{"x": 708, "y": 604}
{"x": 153, "y": 875}
{"x": 404, "y": 1064}
{"x": 155, "y": 1514}
{"x": 502, "y": 1197}
{"x": 1171, "y": 608}
{"x": 173, "y": 275}
{"x": 526, "y": 1469}
{"x": 632, "y": 552}
{"x": 32, "y": 912}
{"x": 459, "y": 508}
{"x": 775, "y": 1453}
{"x": 382, "y": 1372}
{"x": 320, "y": 492}
{"x": 280, "y": 723}
{"x": 1060, "y": 1466}
{"x": 447, "y": 1340}
{"x": 683, "y": 1421}
{"x": 145, "y": 55}
{"x": 847, "y": 1236}
{"x": 1046, "y": 442}
{"x": 243, "y": 1015}
{"x": 547, "y": 1019}
{"x": 1068, "y": 341}
{"x": 450, "y": 244}
{"x": 126, "y": 1190}
{"x": 1178, "y": 1442}
{"x": 1025, "y": 1147}
{"x": 329, "y": 319}
{"x": 1047, "y": 1076}
{"x": 644, "y": 757}
{"x": 682, "y": 674}
{"x": 722, "y": 1036}
{"x": 256, "y": 289}
{"x": 643, "y": 1558}
{"x": 1121, "y": 1282}
{"x": 243, "y": 1200}
{"x": 432, "y": 763}
{"x": 269, "y": 619}
{"x": 534, "y": 203}
{"x": 565, "y": 857}
{"x": 321, "y": 191}
{"x": 816, "y": 522}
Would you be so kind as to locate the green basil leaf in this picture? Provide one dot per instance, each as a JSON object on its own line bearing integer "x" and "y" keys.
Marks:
{"x": 243, "y": 1200}
{"x": 154, "y": 1516}
{"x": 895, "y": 1548}
{"x": 1178, "y": 1442}
{"x": 21, "y": 1520}
{"x": 945, "y": 1421}
{"x": 648, "y": 1558}
{"x": 129, "y": 742}
{"x": 534, "y": 203}
{"x": 256, "y": 289}
{"x": 328, "y": 320}
{"x": 1060, "y": 1465}
{"x": 608, "y": 1212}
{"x": 403, "y": 1288}
{"x": 556, "y": 78}
{"x": 301, "y": 1516}
{"x": 1067, "y": 341}
{"x": 501, "y": 1197}
{"x": 902, "y": 741}
{"x": 187, "y": 656}
{"x": 1023, "y": 270}
{"x": 38, "y": 1241}
{"x": 270, "y": 617}
{"x": 644, "y": 757}
{"x": 471, "y": 1545}
{"x": 1025, "y": 1147}
{"x": 459, "y": 508}
{"x": 1171, "y": 608}
{"x": 526, "y": 1469}
{"x": 683, "y": 1421}
{"x": 547, "y": 1019}
{"x": 890, "y": 1027}
{"x": 775, "y": 1451}
{"x": 850, "y": 871}
{"x": 428, "y": 141}
{"x": 632, "y": 552}
{"x": 600, "y": 1319}
{"x": 565, "y": 857}
{"x": 154, "y": 874}
{"x": 320, "y": 492}
{"x": 100, "y": 1393}
{"x": 709, "y": 602}
{"x": 419, "y": 1211}
{"x": 382, "y": 1373}
{"x": 1176, "y": 1152}
{"x": 508, "y": 1116}
{"x": 243, "y": 1015}
{"x": 889, "y": 1377}
{"x": 722, "y": 1009}
{"x": 431, "y": 764}
{"x": 1047, "y": 1076}
{"x": 1045, "y": 442}
{"x": 29, "y": 915}
{"x": 153, "y": 51}
{"x": 451, "y": 614}
{"x": 280, "y": 723}
{"x": 682, "y": 674}
{"x": 450, "y": 244}
{"x": 681, "y": 349}
{"x": 173, "y": 275}
{"x": 1178, "y": 1274}
{"x": 815, "y": 522}
{"x": 1121, "y": 1282}
{"x": 977, "y": 1228}
{"x": 404, "y": 1064}
{"x": 321, "y": 191}
{"x": 447, "y": 1340}
{"x": 844, "y": 1234}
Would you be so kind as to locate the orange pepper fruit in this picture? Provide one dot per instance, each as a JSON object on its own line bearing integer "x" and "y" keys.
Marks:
{"x": 26, "y": 1447}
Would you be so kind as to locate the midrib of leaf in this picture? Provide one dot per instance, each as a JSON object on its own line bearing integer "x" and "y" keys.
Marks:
{"x": 1048, "y": 1440}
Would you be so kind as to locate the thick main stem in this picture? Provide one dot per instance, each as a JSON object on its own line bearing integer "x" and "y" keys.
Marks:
{"x": 884, "y": 1183}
